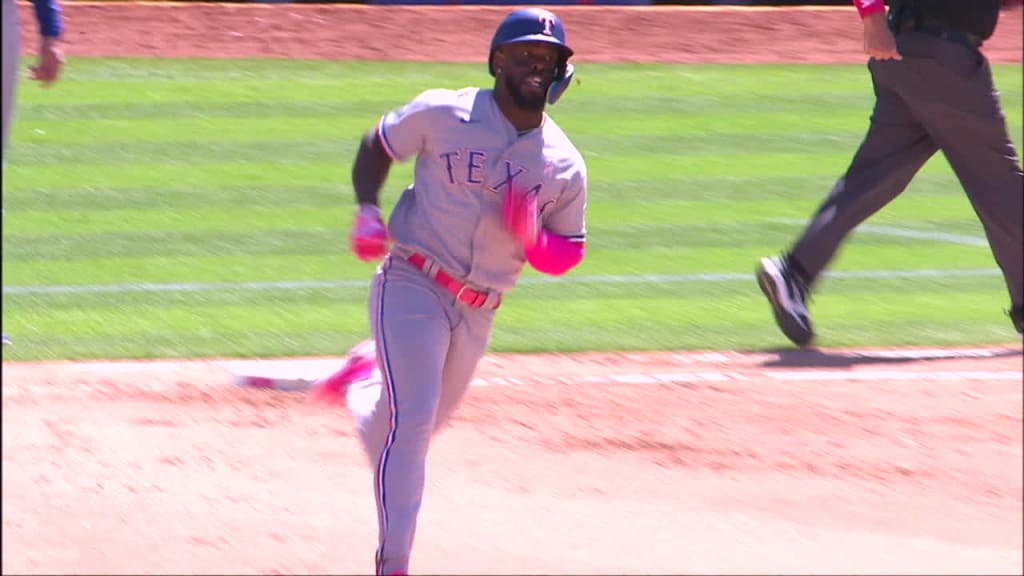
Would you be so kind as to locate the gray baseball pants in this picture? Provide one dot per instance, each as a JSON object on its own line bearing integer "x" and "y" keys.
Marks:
{"x": 428, "y": 348}
{"x": 941, "y": 96}
{"x": 11, "y": 61}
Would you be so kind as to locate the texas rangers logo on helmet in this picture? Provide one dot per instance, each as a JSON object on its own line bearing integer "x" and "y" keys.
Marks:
{"x": 548, "y": 22}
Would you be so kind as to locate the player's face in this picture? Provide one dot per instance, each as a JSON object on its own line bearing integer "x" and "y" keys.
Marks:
{"x": 528, "y": 68}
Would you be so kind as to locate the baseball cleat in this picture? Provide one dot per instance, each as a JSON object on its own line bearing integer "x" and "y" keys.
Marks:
{"x": 6, "y": 340}
{"x": 787, "y": 294}
{"x": 359, "y": 364}
{"x": 1016, "y": 314}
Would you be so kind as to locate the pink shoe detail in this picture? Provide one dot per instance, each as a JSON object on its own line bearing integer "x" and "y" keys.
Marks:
{"x": 359, "y": 364}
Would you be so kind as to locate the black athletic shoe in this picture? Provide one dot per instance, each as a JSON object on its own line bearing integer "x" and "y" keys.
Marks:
{"x": 1017, "y": 317}
{"x": 788, "y": 296}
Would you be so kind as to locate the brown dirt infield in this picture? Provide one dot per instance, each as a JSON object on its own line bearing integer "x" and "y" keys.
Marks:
{"x": 831, "y": 461}
{"x": 462, "y": 34}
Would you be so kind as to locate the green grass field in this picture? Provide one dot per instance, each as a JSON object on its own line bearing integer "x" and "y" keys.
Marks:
{"x": 189, "y": 208}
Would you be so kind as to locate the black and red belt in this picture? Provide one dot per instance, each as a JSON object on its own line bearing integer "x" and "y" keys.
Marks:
{"x": 462, "y": 292}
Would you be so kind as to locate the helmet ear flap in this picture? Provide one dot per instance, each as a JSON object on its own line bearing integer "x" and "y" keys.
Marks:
{"x": 560, "y": 68}
{"x": 560, "y": 85}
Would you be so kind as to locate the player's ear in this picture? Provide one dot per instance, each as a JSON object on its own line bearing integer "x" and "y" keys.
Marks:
{"x": 499, "y": 60}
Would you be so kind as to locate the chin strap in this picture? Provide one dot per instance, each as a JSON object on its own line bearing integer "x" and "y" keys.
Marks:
{"x": 558, "y": 87}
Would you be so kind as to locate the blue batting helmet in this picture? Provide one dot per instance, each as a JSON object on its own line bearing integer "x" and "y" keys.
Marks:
{"x": 531, "y": 25}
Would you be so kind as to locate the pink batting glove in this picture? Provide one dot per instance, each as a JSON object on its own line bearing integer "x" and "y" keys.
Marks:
{"x": 519, "y": 215}
{"x": 369, "y": 234}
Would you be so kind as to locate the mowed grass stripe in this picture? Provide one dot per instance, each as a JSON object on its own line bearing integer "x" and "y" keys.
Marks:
{"x": 261, "y": 150}
{"x": 85, "y": 199}
{"x": 622, "y": 168}
{"x": 875, "y": 253}
{"x": 604, "y": 215}
{"x": 68, "y": 132}
{"x": 209, "y": 176}
{"x": 233, "y": 267}
{"x": 320, "y": 232}
{"x": 118, "y": 153}
{"x": 935, "y": 180}
{"x": 212, "y": 293}
{"x": 670, "y": 320}
{"x": 867, "y": 252}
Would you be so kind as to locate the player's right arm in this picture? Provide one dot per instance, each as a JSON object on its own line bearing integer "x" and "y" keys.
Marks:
{"x": 370, "y": 169}
{"x": 878, "y": 39}
{"x": 401, "y": 134}
{"x": 369, "y": 235}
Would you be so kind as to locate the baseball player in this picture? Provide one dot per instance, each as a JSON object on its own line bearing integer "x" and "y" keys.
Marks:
{"x": 934, "y": 91}
{"x": 48, "y": 16}
{"x": 497, "y": 185}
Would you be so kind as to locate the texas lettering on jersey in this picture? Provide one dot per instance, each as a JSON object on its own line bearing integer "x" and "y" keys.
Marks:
{"x": 470, "y": 171}
{"x": 472, "y": 174}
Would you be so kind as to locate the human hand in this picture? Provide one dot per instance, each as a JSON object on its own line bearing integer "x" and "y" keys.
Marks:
{"x": 369, "y": 234}
{"x": 51, "y": 59}
{"x": 879, "y": 42}
{"x": 519, "y": 215}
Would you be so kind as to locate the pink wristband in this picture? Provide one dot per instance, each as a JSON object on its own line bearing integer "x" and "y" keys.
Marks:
{"x": 554, "y": 254}
{"x": 868, "y": 7}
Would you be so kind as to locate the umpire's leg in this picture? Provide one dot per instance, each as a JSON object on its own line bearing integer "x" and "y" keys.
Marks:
{"x": 970, "y": 127}
{"x": 895, "y": 148}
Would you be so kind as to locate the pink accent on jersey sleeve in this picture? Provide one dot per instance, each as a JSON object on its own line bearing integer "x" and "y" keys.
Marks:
{"x": 868, "y": 7}
{"x": 384, "y": 141}
{"x": 554, "y": 254}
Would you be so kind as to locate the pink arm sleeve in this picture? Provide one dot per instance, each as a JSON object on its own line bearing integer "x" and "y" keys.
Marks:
{"x": 554, "y": 254}
{"x": 868, "y": 7}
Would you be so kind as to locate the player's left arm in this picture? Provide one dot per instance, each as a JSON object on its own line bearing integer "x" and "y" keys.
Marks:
{"x": 561, "y": 243}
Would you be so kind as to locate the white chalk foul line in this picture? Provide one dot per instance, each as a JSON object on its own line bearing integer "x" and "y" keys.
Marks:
{"x": 303, "y": 384}
{"x": 188, "y": 287}
{"x": 296, "y": 384}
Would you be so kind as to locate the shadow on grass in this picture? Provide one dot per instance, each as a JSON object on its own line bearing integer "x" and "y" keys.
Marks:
{"x": 814, "y": 358}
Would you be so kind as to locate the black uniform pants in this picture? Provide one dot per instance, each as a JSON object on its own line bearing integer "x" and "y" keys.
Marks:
{"x": 939, "y": 97}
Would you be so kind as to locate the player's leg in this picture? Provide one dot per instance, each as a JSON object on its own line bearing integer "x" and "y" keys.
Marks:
{"x": 894, "y": 149}
{"x": 468, "y": 345}
{"x": 395, "y": 414}
{"x": 970, "y": 126}
{"x": 359, "y": 364}
{"x": 11, "y": 61}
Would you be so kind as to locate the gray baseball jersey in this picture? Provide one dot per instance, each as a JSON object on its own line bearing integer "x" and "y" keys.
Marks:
{"x": 467, "y": 155}
{"x": 429, "y": 343}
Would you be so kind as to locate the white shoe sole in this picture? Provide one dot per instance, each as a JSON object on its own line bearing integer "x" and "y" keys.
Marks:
{"x": 773, "y": 284}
